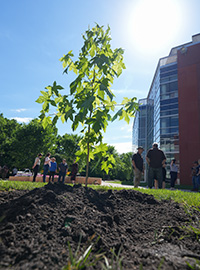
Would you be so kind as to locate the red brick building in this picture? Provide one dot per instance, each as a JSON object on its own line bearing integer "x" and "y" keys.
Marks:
{"x": 189, "y": 108}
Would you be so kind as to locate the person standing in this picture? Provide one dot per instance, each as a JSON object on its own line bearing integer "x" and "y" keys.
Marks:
{"x": 5, "y": 171}
{"x": 173, "y": 172}
{"x": 36, "y": 166}
{"x": 164, "y": 172}
{"x": 138, "y": 166}
{"x": 74, "y": 171}
{"x": 52, "y": 169}
{"x": 47, "y": 164}
{"x": 14, "y": 171}
{"x": 63, "y": 169}
{"x": 198, "y": 174}
{"x": 194, "y": 175}
{"x": 155, "y": 159}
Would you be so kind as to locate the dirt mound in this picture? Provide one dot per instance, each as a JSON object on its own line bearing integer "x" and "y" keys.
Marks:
{"x": 36, "y": 226}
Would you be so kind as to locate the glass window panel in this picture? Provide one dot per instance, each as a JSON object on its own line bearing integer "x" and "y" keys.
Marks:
{"x": 174, "y": 77}
{"x": 164, "y": 80}
{"x": 174, "y": 121}
{"x": 173, "y": 86}
{"x": 166, "y": 69}
{"x": 167, "y": 74}
{"x": 169, "y": 101}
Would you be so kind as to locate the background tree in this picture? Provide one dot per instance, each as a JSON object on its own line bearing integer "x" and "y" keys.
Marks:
{"x": 95, "y": 164}
{"x": 91, "y": 101}
{"x": 121, "y": 170}
{"x": 30, "y": 140}
{"x": 8, "y": 131}
{"x": 124, "y": 168}
{"x": 66, "y": 147}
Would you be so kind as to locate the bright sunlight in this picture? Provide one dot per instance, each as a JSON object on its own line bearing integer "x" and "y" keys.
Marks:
{"x": 154, "y": 24}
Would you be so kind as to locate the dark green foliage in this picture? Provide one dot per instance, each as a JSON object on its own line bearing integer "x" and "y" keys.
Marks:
{"x": 21, "y": 143}
{"x": 121, "y": 169}
{"x": 8, "y": 131}
{"x": 66, "y": 147}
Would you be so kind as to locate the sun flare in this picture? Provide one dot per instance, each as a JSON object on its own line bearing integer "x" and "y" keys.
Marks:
{"x": 153, "y": 24}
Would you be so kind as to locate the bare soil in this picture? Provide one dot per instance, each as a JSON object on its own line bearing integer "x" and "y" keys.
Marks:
{"x": 36, "y": 226}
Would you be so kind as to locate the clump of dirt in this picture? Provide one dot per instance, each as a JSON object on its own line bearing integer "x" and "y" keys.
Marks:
{"x": 36, "y": 226}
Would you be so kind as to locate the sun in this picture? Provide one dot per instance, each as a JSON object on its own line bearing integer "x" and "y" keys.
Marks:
{"x": 153, "y": 24}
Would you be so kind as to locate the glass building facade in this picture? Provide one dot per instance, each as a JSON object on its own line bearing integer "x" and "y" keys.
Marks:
{"x": 157, "y": 118}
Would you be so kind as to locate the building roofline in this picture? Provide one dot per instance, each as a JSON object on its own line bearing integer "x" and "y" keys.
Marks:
{"x": 176, "y": 48}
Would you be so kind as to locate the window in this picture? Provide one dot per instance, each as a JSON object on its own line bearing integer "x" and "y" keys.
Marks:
{"x": 168, "y": 96}
{"x": 167, "y": 74}
{"x": 174, "y": 122}
{"x": 169, "y": 87}
{"x": 169, "y": 101}
{"x": 169, "y": 122}
{"x": 169, "y": 68}
{"x": 171, "y": 112}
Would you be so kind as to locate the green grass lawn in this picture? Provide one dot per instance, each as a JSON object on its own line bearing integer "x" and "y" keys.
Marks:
{"x": 189, "y": 198}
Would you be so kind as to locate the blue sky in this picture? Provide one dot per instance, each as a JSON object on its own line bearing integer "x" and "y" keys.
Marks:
{"x": 34, "y": 35}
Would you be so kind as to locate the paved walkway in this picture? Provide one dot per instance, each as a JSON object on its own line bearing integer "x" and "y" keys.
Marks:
{"x": 105, "y": 183}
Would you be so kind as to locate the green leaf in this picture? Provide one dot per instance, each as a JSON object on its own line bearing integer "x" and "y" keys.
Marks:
{"x": 73, "y": 67}
{"x": 49, "y": 88}
{"x": 88, "y": 102}
{"x": 107, "y": 90}
{"x": 96, "y": 126}
{"x": 101, "y": 94}
{"x": 118, "y": 69}
{"x": 55, "y": 119}
{"x": 63, "y": 118}
{"x": 46, "y": 121}
{"x": 59, "y": 87}
{"x": 75, "y": 83}
{"x": 53, "y": 103}
{"x": 45, "y": 94}
{"x": 119, "y": 113}
{"x": 125, "y": 100}
{"x": 92, "y": 50}
{"x": 41, "y": 99}
{"x": 58, "y": 99}
{"x": 125, "y": 116}
{"x": 45, "y": 106}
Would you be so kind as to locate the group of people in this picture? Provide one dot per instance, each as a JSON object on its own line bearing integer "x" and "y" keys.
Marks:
{"x": 50, "y": 166}
{"x": 156, "y": 160}
{"x": 196, "y": 175}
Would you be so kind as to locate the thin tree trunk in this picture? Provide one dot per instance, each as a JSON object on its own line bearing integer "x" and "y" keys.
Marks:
{"x": 87, "y": 167}
{"x": 88, "y": 154}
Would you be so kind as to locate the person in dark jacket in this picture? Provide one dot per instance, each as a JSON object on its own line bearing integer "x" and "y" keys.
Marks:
{"x": 164, "y": 172}
{"x": 74, "y": 171}
{"x": 137, "y": 162}
{"x": 155, "y": 159}
{"x": 63, "y": 169}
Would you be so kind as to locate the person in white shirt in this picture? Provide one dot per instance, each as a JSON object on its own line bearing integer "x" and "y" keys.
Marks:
{"x": 173, "y": 172}
{"x": 36, "y": 166}
{"x": 47, "y": 164}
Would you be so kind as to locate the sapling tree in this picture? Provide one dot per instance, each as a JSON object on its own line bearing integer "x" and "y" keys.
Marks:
{"x": 90, "y": 100}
